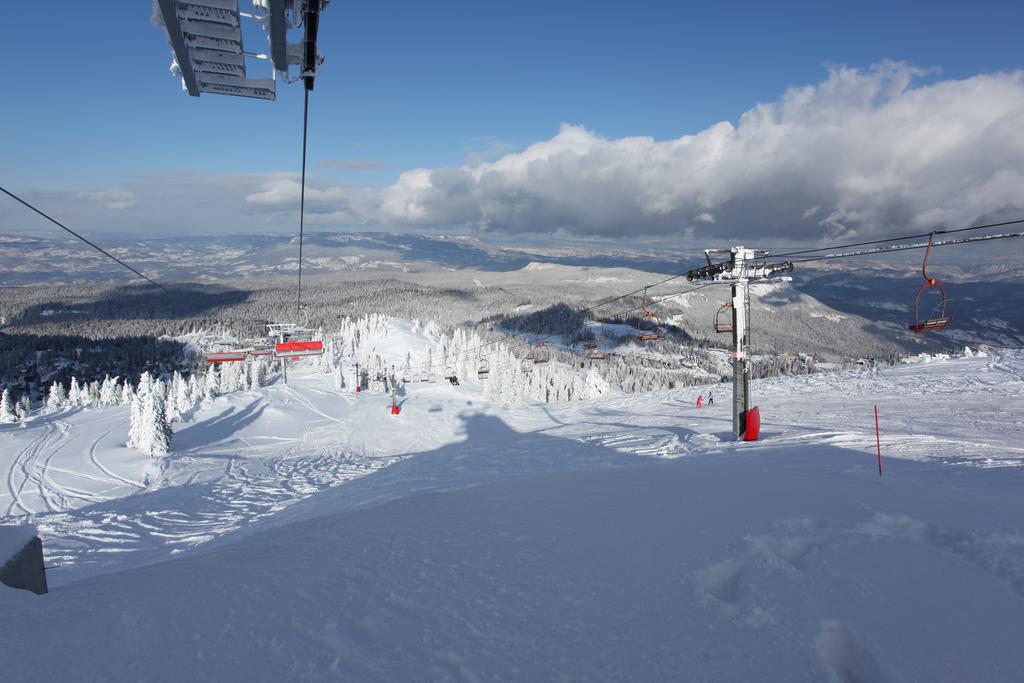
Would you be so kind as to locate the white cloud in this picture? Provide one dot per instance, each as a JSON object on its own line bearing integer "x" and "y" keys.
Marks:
{"x": 860, "y": 154}
{"x": 117, "y": 199}
{"x": 864, "y": 153}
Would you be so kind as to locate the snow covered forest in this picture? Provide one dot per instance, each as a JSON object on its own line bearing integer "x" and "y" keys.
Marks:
{"x": 53, "y": 333}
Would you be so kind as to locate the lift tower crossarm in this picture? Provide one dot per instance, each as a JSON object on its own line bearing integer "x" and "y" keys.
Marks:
{"x": 210, "y": 56}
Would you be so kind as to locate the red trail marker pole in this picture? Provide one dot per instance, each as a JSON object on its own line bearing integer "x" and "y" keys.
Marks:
{"x": 878, "y": 442}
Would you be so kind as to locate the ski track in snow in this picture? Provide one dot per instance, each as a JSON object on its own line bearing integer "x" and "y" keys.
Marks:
{"x": 31, "y": 481}
{"x": 100, "y": 466}
{"x": 170, "y": 521}
{"x": 14, "y": 467}
{"x": 30, "y": 464}
{"x": 228, "y": 486}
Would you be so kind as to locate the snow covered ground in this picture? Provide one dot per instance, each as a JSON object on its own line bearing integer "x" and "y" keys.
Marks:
{"x": 299, "y": 532}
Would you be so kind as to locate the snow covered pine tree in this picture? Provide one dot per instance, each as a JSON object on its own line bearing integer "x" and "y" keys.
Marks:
{"x": 7, "y": 414}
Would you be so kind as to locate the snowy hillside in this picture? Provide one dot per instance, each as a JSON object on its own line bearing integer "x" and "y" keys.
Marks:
{"x": 300, "y": 531}
{"x": 866, "y": 305}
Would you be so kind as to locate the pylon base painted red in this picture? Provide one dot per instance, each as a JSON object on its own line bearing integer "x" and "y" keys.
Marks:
{"x": 358, "y": 389}
{"x": 753, "y": 424}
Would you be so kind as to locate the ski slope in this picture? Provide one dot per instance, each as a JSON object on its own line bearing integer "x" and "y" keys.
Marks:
{"x": 300, "y": 532}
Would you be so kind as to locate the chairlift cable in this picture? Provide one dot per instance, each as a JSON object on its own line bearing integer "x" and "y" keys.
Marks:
{"x": 866, "y": 252}
{"x": 900, "y": 239}
{"x": 670, "y": 278}
{"x": 302, "y": 193}
{"x": 514, "y": 339}
{"x": 907, "y": 247}
{"x": 69, "y": 230}
{"x": 810, "y": 251}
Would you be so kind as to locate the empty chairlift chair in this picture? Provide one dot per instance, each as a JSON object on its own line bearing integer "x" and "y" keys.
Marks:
{"x": 483, "y": 368}
{"x": 938, "y": 319}
{"x": 541, "y": 353}
{"x": 223, "y": 356}
{"x": 723, "y": 319}
{"x": 260, "y": 350}
{"x": 593, "y": 347}
{"x": 647, "y": 319}
{"x": 226, "y": 350}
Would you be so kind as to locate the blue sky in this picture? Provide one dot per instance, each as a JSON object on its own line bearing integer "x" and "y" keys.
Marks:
{"x": 89, "y": 103}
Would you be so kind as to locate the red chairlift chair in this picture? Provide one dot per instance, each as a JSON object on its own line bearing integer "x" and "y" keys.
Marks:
{"x": 939, "y": 319}
{"x": 226, "y": 356}
{"x": 648, "y": 335}
{"x": 296, "y": 349}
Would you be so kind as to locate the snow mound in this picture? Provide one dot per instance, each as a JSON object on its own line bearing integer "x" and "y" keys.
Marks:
{"x": 13, "y": 538}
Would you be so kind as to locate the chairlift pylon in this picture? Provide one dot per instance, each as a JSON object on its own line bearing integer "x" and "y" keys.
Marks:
{"x": 939, "y": 320}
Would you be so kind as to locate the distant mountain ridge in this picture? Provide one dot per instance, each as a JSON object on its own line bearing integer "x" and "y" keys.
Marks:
{"x": 986, "y": 298}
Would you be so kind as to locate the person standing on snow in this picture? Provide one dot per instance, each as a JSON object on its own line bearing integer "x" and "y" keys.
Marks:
{"x": 711, "y": 399}
{"x": 700, "y": 400}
